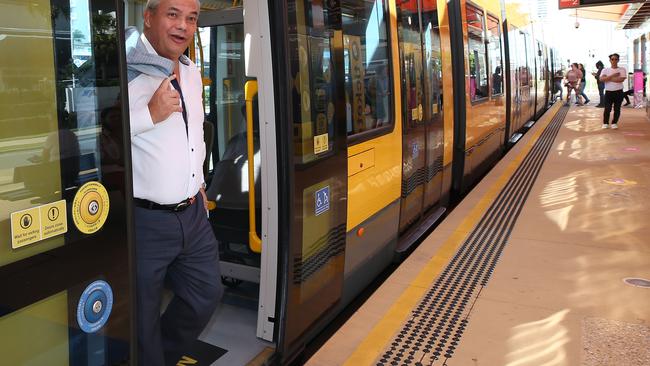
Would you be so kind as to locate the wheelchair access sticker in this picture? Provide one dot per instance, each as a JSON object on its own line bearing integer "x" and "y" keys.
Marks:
{"x": 90, "y": 207}
{"x": 322, "y": 200}
{"x": 95, "y": 305}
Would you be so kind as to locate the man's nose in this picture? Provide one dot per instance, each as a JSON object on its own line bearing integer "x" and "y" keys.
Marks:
{"x": 181, "y": 23}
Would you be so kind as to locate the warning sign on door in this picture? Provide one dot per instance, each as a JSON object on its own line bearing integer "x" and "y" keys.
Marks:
{"x": 25, "y": 227}
{"x": 38, "y": 223}
{"x": 53, "y": 219}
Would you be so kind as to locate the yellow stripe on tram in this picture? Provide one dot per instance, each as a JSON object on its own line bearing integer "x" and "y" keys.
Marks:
{"x": 382, "y": 333}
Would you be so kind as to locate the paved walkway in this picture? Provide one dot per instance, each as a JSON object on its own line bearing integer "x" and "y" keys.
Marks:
{"x": 557, "y": 296}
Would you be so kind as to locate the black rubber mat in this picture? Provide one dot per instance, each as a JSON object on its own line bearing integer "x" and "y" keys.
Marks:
{"x": 434, "y": 330}
{"x": 201, "y": 353}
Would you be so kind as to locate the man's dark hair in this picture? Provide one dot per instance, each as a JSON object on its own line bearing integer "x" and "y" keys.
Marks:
{"x": 615, "y": 54}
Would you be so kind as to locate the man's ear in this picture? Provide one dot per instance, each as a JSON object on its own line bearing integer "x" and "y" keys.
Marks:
{"x": 147, "y": 18}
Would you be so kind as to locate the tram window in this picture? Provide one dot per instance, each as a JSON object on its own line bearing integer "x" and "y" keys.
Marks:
{"x": 478, "y": 82}
{"x": 310, "y": 49}
{"x": 60, "y": 109}
{"x": 524, "y": 72}
{"x": 494, "y": 54}
{"x": 367, "y": 67}
{"x": 540, "y": 63}
{"x": 412, "y": 76}
{"x": 432, "y": 58}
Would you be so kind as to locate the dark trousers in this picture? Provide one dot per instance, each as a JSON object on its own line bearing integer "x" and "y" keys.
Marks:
{"x": 176, "y": 250}
{"x": 601, "y": 93}
{"x": 557, "y": 87}
{"x": 626, "y": 94}
{"x": 616, "y": 98}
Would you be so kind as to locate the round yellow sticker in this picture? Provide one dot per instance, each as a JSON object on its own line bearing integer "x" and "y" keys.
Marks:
{"x": 90, "y": 207}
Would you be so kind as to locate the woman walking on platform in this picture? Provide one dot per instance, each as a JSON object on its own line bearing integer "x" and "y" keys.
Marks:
{"x": 573, "y": 77}
{"x": 583, "y": 84}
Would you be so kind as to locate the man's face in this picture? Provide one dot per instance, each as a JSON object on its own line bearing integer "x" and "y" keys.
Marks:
{"x": 171, "y": 26}
{"x": 613, "y": 60}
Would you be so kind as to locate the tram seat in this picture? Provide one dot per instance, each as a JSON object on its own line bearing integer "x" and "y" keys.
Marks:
{"x": 229, "y": 189}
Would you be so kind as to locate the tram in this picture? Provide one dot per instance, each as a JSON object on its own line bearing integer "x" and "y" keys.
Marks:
{"x": 338, "y": 132}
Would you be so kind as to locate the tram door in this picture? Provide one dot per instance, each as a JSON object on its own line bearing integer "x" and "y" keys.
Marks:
{"x": 422, "y": 145}
{"x": 64, "y": 242}
{"x": 231, "y": 52}
{"x": 315, "y": 172}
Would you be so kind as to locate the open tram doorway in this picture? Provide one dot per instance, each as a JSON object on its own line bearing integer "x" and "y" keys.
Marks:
{"x": 228, "y": 52}
{"x": 220, "y": 52}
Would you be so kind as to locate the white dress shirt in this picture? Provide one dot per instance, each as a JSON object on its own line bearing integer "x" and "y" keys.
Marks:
{"x": 611, "y": 85}
{"x": 167, "y": 161}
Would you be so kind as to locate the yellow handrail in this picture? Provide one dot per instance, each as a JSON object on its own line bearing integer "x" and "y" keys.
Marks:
{"x": 254, "y": 241}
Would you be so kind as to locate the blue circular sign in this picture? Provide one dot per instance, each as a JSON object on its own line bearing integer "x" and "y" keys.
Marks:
{"x": 95, "y": 305}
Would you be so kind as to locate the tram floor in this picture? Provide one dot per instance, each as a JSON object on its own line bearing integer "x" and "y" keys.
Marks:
{"x": 233, "y": 326}
{"x": 229, "y": 338}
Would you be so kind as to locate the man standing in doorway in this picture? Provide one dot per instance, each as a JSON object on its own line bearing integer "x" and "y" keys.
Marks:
{"x": 613, "y": 78}
{"x": 175, "y": 245}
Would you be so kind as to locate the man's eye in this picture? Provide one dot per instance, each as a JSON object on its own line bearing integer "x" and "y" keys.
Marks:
{"x": 192, "y": 19}
{"x": 172, "y": 15}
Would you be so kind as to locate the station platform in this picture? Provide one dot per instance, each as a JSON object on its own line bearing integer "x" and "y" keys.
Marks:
{"x": 541, "y": 264}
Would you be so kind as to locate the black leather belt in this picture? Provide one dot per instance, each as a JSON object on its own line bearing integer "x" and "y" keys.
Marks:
{"x": 174, "y": 207}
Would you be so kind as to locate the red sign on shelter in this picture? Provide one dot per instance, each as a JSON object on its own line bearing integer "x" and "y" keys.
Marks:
{"x": 412, "y": 5}
{"x": 568, "y": 4}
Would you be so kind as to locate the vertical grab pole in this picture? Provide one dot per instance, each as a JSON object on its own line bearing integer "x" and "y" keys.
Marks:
{"x": 254, "y": 241}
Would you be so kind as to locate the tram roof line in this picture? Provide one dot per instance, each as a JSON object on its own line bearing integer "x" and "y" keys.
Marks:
{"x": 610, "y": 13}
{"x": 635, "y": 16}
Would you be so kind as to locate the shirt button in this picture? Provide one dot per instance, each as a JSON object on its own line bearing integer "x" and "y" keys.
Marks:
{"x": 192, "y": 175}
{"x": 192, "y": 149}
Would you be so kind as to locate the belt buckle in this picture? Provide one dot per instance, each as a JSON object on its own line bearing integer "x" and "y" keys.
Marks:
{"x": 183, "y": 204}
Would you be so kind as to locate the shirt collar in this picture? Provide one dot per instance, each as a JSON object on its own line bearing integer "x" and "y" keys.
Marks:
{"x": 183, "y": 59}
{"x": 148, "y": 45}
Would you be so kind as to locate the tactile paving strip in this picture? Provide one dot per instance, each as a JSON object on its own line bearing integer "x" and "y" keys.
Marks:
{"x": 432, "y": 333}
